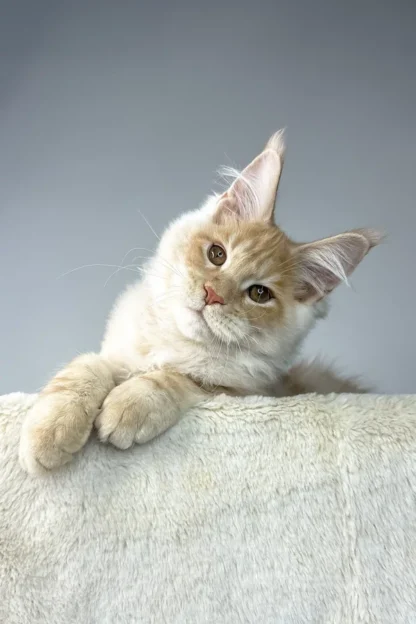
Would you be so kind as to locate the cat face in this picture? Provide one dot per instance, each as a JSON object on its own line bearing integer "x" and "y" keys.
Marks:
{"x": 235, "y": 280}
{"x": 231, "y": 276}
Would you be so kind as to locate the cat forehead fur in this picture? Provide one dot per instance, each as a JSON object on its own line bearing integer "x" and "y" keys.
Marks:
{"x": 253, "y": 249}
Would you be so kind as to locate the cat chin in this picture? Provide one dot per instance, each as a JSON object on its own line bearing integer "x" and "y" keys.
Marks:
{"x": 218, "y": 325}
{"x": 192, "y": 325}
{"x": 200, "y": 325}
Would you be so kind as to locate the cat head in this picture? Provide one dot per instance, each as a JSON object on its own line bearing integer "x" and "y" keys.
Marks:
{"x": 228, "y": 273}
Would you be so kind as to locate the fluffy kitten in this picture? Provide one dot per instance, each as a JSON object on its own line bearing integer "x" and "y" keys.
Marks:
{"x": 224, "y": 307}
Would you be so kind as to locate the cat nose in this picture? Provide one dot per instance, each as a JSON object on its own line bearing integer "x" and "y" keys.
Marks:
{"x": 211, "y": 296}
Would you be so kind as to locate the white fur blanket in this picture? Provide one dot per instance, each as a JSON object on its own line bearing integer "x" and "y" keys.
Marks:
{"x": 258, "y": 511}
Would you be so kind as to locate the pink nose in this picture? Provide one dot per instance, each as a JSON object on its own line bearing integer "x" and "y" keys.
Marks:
{"x": 211, "y": 296}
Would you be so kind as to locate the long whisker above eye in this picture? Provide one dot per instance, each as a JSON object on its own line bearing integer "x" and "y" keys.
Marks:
{"x": 131, "y": 263}
{"x": 120, "y": 268}
{"x": 145, "y": 219}
{"x": 134, "y": 249}
{"x": 96, "y": 264}
{"x": 161, "y": 260}
{"x": 147, "y": 273}
{"x": 148, "y": 223}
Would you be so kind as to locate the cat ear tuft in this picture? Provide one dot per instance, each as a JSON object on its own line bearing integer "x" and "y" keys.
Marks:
{"x": 322, "y": 265}
{"x": 277, "y": 143}
{"x": 252, "y": 195}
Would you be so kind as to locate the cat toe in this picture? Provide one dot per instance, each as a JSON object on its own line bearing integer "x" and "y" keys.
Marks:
{"x": 38, "y": 454}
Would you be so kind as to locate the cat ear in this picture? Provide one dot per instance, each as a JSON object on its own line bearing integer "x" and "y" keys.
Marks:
{"x": 252, "y": 195}
{"x": 322, "y": 265}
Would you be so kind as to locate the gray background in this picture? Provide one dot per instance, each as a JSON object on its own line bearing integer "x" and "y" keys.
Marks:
{"x": 107, "y": 107}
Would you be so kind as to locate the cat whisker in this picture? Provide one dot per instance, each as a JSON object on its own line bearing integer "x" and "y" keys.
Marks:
{"x": 254, "y": 318}
{"x": 226, "y": 358}
{"x": 158, "y": 238}
{"x": 245, "y": 337}
{"x": 120, "y": 268}
{"x": 216, "y": 352}
{"x": 134, "y": 249}
{"x": 161, "y": 259}
{"x": 146, "y": 273}
{"x": 213, "y": 390}
{"x": 216, "y": 341}
{"x": 248, "y": 338}
{"x": 96, "y": 264}
{"x": 168, "y": 295}
{"x": 239, "y": 347}
{"x": 117, "y": 267}
{"x": 148, "y": 224}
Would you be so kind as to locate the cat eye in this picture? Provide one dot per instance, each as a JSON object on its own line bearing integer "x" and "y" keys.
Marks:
{"x": 217, "y": 255}
{"x": 259, "y": 294}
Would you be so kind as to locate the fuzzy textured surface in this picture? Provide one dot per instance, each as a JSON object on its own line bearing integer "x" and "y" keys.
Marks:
{"x": 252, "y": 510}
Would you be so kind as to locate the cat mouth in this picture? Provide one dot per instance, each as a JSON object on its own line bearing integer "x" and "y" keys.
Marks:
{"x": 210, "y": 321}
{"x": 201, "y": 316}
{"x": 204, "y": 317}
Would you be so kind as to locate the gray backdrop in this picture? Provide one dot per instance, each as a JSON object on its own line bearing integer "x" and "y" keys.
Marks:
{"x": 107, "y": 107}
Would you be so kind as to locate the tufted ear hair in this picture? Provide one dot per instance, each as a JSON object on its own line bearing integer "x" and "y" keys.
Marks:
{"x": 322, "y": 265}
{"x": 252, "y": 195}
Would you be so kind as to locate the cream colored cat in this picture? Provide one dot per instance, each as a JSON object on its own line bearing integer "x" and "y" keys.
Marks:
{"x": 224, "y": 307}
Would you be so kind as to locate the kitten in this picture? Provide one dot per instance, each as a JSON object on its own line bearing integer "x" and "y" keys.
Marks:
{"x": 224, "y": 306}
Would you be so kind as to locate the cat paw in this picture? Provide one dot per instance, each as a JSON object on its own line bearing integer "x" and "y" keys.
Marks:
{"x": 55, "y": 428}
{"x": 134, "y": 413}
